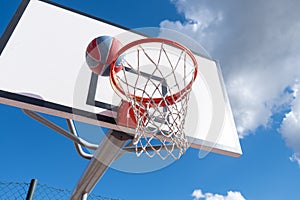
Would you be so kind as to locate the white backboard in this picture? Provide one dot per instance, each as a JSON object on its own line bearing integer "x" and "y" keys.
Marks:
{"x": 43, "y": 68}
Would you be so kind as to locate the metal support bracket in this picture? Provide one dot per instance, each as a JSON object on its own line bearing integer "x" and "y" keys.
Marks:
{"x": 78, "y": 147}
{"x": 72, "y": 135}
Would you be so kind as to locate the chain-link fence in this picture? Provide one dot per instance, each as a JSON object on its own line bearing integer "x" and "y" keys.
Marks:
{"x": 19, "y": 191}
{"x": 15, "y": 191}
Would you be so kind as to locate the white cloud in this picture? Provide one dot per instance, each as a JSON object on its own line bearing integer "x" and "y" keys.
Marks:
{"x": 197, "y": 194}
{"x": 197, "y": 22}
{"x": 258, "y": 51}
{"x": 290, "y": 127}
{"x": 295, "y": 158}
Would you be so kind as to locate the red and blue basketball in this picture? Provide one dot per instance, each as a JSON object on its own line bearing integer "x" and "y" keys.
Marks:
{"x": 100, "y": 54}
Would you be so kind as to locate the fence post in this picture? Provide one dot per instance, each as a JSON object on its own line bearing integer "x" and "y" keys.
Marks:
{"x": 31, "y": 189}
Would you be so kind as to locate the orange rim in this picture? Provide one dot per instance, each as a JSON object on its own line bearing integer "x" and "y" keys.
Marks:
{"x": 170, "y": 99}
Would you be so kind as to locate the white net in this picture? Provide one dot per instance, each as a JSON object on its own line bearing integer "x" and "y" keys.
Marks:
{"x": 155, "y": 79}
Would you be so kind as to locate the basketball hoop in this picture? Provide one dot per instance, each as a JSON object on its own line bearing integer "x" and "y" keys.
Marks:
{"x": 154, "y": 77}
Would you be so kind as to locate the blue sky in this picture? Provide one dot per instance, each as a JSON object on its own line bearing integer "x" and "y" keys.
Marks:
{"x": 258, "y": 52}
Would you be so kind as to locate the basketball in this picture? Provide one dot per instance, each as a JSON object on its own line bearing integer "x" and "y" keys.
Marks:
{"x": 100, "y": 54}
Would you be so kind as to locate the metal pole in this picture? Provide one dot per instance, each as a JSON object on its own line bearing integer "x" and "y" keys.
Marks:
{"x": 31, "y": 189}
{"x": 109, "y": 149}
